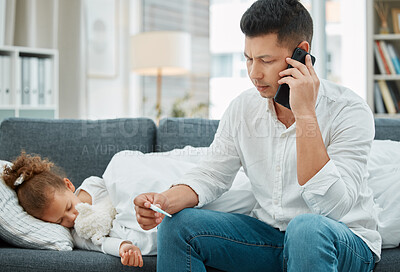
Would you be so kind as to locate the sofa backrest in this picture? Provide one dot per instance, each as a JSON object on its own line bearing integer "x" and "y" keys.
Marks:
{"x": 180, "y": 132}
{"x": 82, "y": 148}
{"x": 387, "y": 129}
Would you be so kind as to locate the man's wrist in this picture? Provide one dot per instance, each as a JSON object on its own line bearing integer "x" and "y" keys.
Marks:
{"x": 307, "y": 126}
{"x": 306, "y": 116}
{"x": 180, "y": 196}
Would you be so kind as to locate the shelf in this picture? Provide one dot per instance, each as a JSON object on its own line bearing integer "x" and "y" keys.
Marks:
{"x": 7, "y": 107}
{"x": 29, "y": 50}
{"x": 39, "y": 107}
{"x": 386, "y": 77}
{"x": 33, "y": 67}
{"x": 387, "y": 37}
{"x": 37, "y": 113}
{"x": 387, "y": 115}
{"x": 373, "y": 73}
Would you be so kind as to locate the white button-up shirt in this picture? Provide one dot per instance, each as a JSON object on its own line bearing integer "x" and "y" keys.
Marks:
{"x": 250, "y": 135}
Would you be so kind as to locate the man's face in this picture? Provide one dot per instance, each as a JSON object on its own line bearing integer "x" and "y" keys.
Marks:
{"x": 265, "y": 59}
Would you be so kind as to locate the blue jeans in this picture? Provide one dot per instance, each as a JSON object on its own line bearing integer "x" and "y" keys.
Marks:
{"x": 194, "y": 238}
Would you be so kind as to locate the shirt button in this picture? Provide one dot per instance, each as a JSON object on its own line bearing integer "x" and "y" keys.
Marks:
{"x": 278, "y": 168}
{"x": 276, "y": 201}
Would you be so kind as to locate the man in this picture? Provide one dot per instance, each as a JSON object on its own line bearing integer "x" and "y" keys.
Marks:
{"x": 307, "y": 167}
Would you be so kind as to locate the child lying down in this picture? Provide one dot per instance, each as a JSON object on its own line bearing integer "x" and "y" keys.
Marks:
{"x": 101, "y": 211}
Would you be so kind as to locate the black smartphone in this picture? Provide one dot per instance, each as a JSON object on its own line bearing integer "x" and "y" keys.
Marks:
{"x": 282, "y": 95}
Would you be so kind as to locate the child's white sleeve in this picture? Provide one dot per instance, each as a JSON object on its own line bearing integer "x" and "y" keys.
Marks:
{"x": 86, "y": 244}
{"x": 110, "y": 245}
{"x": 145, "y": 240}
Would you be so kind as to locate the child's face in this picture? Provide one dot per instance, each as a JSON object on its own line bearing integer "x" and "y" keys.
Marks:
{"x": 61, "y": 209}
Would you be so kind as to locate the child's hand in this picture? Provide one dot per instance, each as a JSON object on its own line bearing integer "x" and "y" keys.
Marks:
{"x": 130, "y": 255}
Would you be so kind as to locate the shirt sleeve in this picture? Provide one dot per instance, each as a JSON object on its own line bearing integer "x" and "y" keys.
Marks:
{"x": 146, "y": 241}
{"x": 109, "y": 246}
{"x": 334, "y": 190}
{"x": 95, "y": 187}
{"x": 215, "y": 173}
{"x": 85, "y": 244}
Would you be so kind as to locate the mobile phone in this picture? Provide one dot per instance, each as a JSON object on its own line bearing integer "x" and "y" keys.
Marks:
{"x": 282, "y": 95}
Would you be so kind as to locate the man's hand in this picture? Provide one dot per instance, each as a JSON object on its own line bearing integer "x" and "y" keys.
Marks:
{"x": 304, "y": 85}
{"x": 172, "y": 201}
{"x": 130, "y": 255}
{"x": 310, "y": 148}
{"x": 147, "y": 218}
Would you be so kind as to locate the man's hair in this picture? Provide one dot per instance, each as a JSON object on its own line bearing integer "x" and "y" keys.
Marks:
{"x": 289, "y": 19}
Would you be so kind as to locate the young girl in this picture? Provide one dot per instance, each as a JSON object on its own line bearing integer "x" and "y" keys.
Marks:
{"x": 45, "y": 193}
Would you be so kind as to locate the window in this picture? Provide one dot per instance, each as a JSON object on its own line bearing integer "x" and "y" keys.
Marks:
{"x": 221, "y": 65}
{"x": 228, "y": 75}
{"x": 341, "y": 40}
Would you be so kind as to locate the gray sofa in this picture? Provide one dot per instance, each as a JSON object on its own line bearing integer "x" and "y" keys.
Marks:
{"x": 84, "y": 148}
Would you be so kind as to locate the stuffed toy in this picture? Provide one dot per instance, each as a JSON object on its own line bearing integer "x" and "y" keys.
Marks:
{"x": 95, "y": 221}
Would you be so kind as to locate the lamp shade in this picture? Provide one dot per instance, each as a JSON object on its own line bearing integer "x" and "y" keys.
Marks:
{"x": 165, "y": 51}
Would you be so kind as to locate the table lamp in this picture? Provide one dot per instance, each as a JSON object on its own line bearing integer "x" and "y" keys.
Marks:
{"x": 161, "y": 53}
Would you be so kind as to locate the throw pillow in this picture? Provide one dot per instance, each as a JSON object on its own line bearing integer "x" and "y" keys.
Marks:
{"x": 21, "y": 229}
{"x": 384, "y": 180}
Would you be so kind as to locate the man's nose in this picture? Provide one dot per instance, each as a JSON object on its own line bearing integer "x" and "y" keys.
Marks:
{"x": 255, "y": 71}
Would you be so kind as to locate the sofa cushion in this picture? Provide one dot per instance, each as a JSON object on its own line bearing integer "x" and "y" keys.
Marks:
{"x": 18, "y": 259}
{"x": 82, "y": 148}
{"x": 21, "y": 229}
{"x": 390, "y": 261}
{"x": 180, "y": 132}
{"x": 28, "y": 260}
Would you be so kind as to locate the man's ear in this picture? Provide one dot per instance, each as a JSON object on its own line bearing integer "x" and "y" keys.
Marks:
{"x": 305, "y": 46}
{"x": 69, "y": 185}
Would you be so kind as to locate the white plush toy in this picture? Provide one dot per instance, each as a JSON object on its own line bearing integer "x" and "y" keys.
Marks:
{"x": 94, "y": 221}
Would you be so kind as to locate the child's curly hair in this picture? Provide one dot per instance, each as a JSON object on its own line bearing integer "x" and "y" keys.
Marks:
{"x": 41, "y": 178}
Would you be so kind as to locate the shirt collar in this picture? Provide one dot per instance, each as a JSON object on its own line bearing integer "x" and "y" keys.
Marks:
{"x": 270, "y": 105}
{"x": 321, "y": 92}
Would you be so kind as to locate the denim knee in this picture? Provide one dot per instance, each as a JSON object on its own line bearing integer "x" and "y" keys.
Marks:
{"x": 173, "y": 226}
{"x": 182, "y": 225}
{"x": 306, "y": 218}
{"x": 305, "y": 229}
